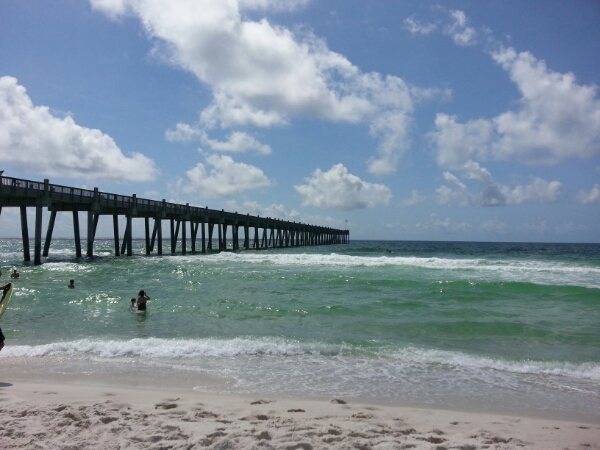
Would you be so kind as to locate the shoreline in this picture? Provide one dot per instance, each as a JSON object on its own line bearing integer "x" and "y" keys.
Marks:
{"x": 124, "y": 416}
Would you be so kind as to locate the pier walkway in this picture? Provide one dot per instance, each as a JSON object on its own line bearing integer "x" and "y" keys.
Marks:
{"x": 15, "y": 192}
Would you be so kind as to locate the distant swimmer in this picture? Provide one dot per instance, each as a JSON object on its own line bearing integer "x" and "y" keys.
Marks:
{"x": 71, "y": 284}
{"x": 15, "y": 274}
{"x": 141, "y": 301}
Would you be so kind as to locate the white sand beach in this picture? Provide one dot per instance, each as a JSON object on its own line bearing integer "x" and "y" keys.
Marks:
{"x": 75, "y": 416}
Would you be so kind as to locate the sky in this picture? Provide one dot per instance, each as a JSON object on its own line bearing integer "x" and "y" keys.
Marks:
{"x": 399, "y": 120}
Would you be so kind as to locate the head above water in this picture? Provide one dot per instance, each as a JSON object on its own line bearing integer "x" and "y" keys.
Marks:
{"x": 141, "y": 293}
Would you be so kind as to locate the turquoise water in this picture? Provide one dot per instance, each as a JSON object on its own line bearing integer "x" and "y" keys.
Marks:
{"x": 505, "y": 327}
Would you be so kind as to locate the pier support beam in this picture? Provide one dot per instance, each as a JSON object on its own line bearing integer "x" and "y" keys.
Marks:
{"x": 49, "y": 234}
{"x": 147, "y": 232}
{"x": 37, "y": 250}
{"x": 116, "y": 233}
{"x": 159, "y": 236}
{"x": 76, "y": 234}
{"x": 183, "y": 237}
{"x": 211, "y": 227}
{"x": 154, "y": 230}
{"x": 25, "y": 234}
{"x": 203, "y": 238}
{"x": 220, "y": 236}
{"x": 90, "y": 234}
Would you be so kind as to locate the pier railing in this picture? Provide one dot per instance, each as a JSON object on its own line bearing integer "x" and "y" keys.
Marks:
{"x": 16, "y": 192}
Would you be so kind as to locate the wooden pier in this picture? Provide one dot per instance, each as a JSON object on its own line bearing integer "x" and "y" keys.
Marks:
{"x": 15, "y": 192}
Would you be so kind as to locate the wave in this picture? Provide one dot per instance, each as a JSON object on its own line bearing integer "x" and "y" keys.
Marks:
{"x": 185, "y": 349}
{"x": 511, "y": 270}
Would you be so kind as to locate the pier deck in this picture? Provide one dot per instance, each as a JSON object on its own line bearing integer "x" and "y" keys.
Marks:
{"x": 15, "y": 192}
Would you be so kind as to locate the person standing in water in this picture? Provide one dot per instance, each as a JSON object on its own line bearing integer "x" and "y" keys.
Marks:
{"x": 71, "y": 284}
{"x": 141, "y": 301}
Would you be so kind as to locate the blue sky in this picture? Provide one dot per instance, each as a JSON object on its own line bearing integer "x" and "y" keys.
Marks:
{"x": 461, "y": 120}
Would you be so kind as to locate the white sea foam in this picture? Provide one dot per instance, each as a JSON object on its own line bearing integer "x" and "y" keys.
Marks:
{"x": 181, "y": 349}
{"x": 512, "y": 270}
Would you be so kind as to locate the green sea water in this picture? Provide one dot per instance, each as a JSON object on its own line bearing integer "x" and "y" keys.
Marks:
{"x": 492, "y": 326}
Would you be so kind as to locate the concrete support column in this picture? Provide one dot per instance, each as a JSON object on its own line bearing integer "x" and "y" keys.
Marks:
{"x": 194, "y": 232}
{"x": 147, "y": 234}
{"x": 183, "y": 237}
{"x": 203, "y": 238}
{"x": 37, "y": 251}
{"x": 76, "y": 233}
{"x": 211, "y": 228}
{"x": 126, "y": 247}
{"x": 116, "y": 233}
{"x": 90, "y": 233}
{"x": 154, "y": 231}
{"x": 25, "y": 234}
{"x": 159, "y": 238}
{"x": 49, "y": 234}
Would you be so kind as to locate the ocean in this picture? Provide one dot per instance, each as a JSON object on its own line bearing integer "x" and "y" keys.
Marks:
{"x": 498, "y": 327}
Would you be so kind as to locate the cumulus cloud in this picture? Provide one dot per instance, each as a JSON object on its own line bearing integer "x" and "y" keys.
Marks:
{"x": 278, "y": 211}
{"x": 338, "y": 189}
{"x": 415, "y": 27}
{"x": 184, "y": 132}
{"x": 236, "y": 142}
{"x": 275, "y": 211}
{"x": 264, "y": 75}
{"x": 36, "y": 141}
{"x": 589, "y": 197}
{"x": 414, "y": 199}
{"x": 458, "y": 30}
{"x": 449, "y": 226}
{"x": 225, "y": 177}
{"x": 556, "y": 119}
{"x": 493, "y": 193}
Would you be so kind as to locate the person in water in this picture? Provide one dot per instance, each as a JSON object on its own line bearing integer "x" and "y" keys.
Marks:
{"x": 71, "y": 284}
{"x": 15, "y": 274}
{"x": 141, "y": 301}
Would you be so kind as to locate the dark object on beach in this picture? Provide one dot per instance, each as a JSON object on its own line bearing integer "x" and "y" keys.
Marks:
{"x": 338, "y": 401}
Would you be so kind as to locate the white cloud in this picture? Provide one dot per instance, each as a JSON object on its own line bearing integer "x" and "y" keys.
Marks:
{"x": 34, "y": 140}
{"x": 236, "y": 142}
{"x": 589, "y": 197}
{"x": 460, "y": 33}
{"x": 274, "y": 211}
{"x": 184, "y": 133}
{"x": 264, "y": 75}
{"x": 278, "y": 5}
{"x": 226, "y": 177}
{"x": 278, "y": 211}
{"x": 414, "y": 199}
{"x": 415, "y": 27}
{"x": 338, "y": 189}
{"x": 493, "y": 193}
{"x": 449, "y": 226}
{"x": 494, "y": 226}
{"x": 556, "y": 119}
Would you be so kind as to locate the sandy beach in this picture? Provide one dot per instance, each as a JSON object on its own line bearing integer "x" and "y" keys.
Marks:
{"x": 75, "y": 416}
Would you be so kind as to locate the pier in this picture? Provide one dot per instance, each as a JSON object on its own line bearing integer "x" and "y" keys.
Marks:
{"x": 15, "y": 192}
